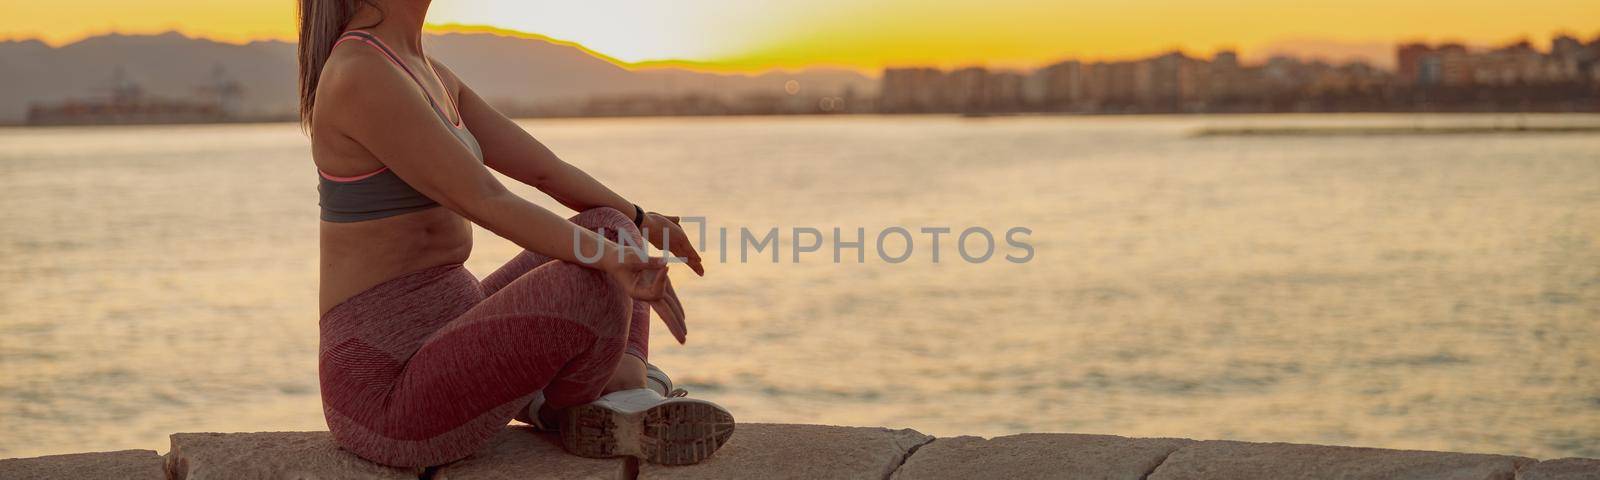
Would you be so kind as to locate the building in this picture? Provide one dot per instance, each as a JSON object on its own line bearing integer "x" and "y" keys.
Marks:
{"x": 912, "y": 90}
{"x": 966, "y": 90}
{"x": 1060, "y": 86}
{"x": 1445, "y": 77}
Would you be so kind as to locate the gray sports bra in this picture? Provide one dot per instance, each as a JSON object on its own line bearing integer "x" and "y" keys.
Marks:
{"x": 382, "y": 194}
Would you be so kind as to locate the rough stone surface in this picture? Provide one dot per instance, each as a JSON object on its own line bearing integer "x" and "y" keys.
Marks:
{"x": 522, "y": 453}
{"x": 1230, "y": 460}
{"x": 1563, "y": 469}
{"x": 125, "y": 464}
{"x": 270, "y": 455}
{"x": 773, "y": 451}
{"x": 1039, "y": 455}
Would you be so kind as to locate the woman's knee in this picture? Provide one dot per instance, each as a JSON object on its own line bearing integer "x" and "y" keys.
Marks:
{"x": 595, "y": 298}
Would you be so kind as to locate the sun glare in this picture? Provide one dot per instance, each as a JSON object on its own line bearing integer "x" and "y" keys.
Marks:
{"x": 628, "y": 31}
{"x": 763, "y": 34}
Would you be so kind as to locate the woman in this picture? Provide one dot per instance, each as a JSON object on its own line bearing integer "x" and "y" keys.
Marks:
{"x": 420, "y": 363}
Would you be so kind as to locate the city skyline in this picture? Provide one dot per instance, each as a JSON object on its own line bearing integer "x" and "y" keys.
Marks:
{"x": 742, "y": 36}
{"x": 1516, "y": 77}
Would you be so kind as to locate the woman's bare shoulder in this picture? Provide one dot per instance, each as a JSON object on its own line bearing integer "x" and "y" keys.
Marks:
{"x": 354, "y": 80}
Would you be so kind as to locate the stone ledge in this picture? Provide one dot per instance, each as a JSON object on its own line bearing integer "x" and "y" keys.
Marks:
{"x": 1229, "y": 460}
{"x": 777, "y": 451}
{"x": 774, "y": 451}
{"x": 1040, "y": 455}
{"x": 1562, "y": 469}
{"x": 271, "y": 455}
{"x": 522, "y": 453}
{"x": 124, "y": 464}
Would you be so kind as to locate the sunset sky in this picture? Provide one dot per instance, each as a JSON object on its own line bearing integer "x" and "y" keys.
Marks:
{"x": 755, "y": 34}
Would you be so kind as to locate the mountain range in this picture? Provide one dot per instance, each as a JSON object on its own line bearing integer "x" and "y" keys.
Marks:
{"x": 503, "y": 69}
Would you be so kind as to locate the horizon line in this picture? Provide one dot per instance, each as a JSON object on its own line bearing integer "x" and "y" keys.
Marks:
{"x": 716, "y": 67}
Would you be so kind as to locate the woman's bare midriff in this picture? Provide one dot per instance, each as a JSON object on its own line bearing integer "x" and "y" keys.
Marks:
{"x": 357, "y": 256}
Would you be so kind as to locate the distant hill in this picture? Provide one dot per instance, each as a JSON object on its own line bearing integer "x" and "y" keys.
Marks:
{"x": 167, "y": 65}
{"x": 502, "y": 69}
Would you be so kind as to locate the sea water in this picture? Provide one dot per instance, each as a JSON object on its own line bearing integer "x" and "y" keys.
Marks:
{"x": 1402, "y": 291}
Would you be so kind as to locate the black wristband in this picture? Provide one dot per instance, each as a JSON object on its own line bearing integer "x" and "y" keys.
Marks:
{"x": 638, "y": 216}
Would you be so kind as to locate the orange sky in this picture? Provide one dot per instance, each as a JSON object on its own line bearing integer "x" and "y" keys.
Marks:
{"x": 754, "y": 35}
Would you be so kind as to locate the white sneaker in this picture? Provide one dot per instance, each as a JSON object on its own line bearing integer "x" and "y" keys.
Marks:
{"x": 655, "y": 379}
{"x": 530, "y": 413}
{"x": 641, "y": 423}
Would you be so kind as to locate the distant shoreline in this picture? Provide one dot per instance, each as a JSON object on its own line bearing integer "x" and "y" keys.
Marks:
{"x": 1310, "y": 130}
{"x": 24, "y": 124}
{"x": 1319, "y": 131}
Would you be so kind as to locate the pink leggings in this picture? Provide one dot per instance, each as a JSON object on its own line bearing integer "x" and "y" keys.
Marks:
{"x": 424, "y": 368}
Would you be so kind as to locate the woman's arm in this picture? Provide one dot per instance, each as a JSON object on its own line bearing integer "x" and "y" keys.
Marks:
{"x": 510, "y": 150}
{"x": 364, "y": 98}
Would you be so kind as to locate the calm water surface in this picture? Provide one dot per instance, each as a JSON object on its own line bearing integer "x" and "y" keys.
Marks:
{"x": 1432, "y": 292}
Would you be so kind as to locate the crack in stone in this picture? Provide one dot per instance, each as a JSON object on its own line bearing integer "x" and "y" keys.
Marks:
{"x": 1163, "y": 461}
{"x": 907, "y": 456}
{"x": 1516, "y": 468}
{"x": 630, "y": 468}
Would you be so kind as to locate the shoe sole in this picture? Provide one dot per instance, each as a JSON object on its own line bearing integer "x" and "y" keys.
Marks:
{"x": 674, "y": 433}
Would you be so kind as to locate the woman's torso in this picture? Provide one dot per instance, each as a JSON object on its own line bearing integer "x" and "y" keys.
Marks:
{"x": 358, "y": 256}
{"x": 362, "y": 249}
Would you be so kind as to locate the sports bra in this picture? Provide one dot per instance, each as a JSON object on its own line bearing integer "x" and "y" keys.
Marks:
{"x": 381, "y": 193}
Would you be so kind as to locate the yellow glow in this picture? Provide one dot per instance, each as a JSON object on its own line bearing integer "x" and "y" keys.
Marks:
{"x": 64, "y": 21}
{"x": 755, "y": 35}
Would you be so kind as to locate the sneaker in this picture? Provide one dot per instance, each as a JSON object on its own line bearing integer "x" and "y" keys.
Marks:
{"x": 655, "y": 379}
{"x": 642, "y": 423}
{"x": 530, "y": 414}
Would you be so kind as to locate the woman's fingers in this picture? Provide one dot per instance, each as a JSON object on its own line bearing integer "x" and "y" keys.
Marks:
{"x": 674, "y": 324}
{"x": 657, "y": 291}
{"x": 679, "y": 326}
{"x": 690, "y": 257}
{"x": 659, "y": 283}
{"x": 648, "y": 281}
{"x": 643, "y": 292}
{"x": 671, "y": 297}
{"x": 645, "y": 280}
{"x": 669, "y": 236}
{"x": 671, "y": 313}
{"x": 682, "y": 248}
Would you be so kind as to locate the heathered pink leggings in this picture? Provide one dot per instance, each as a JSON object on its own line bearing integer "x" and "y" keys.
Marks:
{"x": 424, "y": 368}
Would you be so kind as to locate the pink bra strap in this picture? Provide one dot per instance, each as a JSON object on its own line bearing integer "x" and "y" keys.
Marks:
{"x": 350, "y": 178}
{"x": 372, "y": 40}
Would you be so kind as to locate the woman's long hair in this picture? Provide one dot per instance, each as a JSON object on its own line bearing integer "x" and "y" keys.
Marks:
{"x": 321, "y": 23}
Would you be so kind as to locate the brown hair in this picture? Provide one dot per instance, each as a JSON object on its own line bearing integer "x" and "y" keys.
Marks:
{"x": 321, "y": 22}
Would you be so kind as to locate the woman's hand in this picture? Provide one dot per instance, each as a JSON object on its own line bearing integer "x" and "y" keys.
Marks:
{"x": 663, "y": 231}
{"x": 645, "y": 279}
